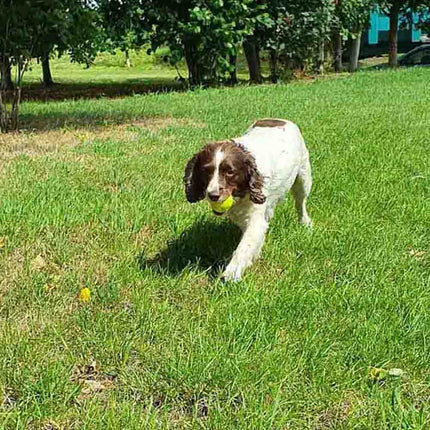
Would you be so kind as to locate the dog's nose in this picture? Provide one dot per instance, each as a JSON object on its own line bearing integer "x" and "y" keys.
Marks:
{"x": 213, "y": 196}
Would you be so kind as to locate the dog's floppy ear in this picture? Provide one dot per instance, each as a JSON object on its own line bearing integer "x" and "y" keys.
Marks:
{"x": 194, "y": 181}
{"x": 255, "y": 182}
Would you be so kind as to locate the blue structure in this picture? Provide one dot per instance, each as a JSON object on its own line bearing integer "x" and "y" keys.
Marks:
{"x": 380, "y": 24}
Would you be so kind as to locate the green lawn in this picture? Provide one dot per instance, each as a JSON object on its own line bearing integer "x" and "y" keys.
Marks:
{"x": 91, "y": 196}
{"x": 108, "y": 76}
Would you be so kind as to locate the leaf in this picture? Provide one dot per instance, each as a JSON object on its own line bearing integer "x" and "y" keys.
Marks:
{"x": 396, "y": 373}
{"x": 377, "y": 373}
{"x": 417, "y": 254}
{"x": 49, "y": 287}
{"x": 91, "y": 386}
{"x": 2, "y": 242}
{"x": 38, "y": 263}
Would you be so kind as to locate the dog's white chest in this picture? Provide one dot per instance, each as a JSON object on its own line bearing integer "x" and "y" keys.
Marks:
{"x": 241, "y": 212}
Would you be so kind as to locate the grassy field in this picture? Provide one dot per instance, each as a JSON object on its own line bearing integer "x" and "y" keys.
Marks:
{"x": 91, "y": 196}
{"x": 108, "y": 76}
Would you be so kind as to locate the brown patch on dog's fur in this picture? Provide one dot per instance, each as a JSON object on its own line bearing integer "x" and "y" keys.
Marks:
{"x": 238, "y": 173}
{"x": 269, "y": 122}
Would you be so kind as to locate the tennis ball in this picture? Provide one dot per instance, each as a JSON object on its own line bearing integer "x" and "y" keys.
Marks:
{"x": 224, "y": 206}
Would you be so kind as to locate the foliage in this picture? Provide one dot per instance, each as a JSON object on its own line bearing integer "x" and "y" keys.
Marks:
{"x": 86, "y": 36}
{"x": 298, "y": 30}
{"x": 393, "y": 8}
{"x": 204, "y": 33}
{"x": 31, "y": 29}
{"x": 123, "y": 21}
{"x": 20, "y": 40}
{"x": 354, "y": 16}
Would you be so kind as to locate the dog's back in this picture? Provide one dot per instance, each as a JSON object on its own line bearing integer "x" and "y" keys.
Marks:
{"x": 279, "y": 151}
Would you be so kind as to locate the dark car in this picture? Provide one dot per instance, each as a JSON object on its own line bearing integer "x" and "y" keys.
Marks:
{"x": 419, "y": 56}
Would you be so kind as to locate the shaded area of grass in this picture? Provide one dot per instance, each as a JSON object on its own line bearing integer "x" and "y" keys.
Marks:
{"x": 108, "y": 77}
{"x": 206, "y": 246}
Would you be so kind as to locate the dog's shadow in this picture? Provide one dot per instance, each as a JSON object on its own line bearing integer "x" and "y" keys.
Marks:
{"x": 206, "y": 246}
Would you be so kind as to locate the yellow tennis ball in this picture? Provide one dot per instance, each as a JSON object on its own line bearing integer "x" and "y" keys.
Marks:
{"x": 224, "y": 206}
{"x": 84, "y": 295}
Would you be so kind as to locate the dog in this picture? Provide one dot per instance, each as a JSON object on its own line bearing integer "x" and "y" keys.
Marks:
{"x": 257, "y": 169}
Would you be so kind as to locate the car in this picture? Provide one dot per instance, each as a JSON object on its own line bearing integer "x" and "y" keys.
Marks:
{"x": 425, "y": 38}
{"x": 419, "y": 56}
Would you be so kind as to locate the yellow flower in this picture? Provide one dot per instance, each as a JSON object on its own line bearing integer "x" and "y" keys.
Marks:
{"x": 84, "y": 295}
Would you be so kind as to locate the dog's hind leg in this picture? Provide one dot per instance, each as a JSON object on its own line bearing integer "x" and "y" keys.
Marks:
{"x": 300, "y": 191}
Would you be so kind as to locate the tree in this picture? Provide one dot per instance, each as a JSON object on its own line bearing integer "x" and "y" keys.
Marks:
{"x": 206, "y": 34}
{"x": 357, "y": 20}
{"x": 86, "y": 36}
{"x": 71, "y": 26}
{"x": 6, "y": 74}
{"x": 337, "y": 37}
{"x": 394, "y": 8}
{"x": 123, "y": 21}
{"x": 352, "y": 17}
{"x": 18, "y": 38}
{"x": 296, "y": 33}
{"x": 30, "y": 30}
{"x": 261, "y": 21}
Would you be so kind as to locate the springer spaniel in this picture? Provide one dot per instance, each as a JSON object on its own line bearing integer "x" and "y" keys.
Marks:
{"x": 258, "y": 169}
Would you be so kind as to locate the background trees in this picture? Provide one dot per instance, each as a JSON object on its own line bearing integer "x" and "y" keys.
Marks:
{"x": 393, "y": 8}
{"x": 29, "y": 30}
{"x": 124, "y": 25}
{"x": 351, "y": 18}
{"x": 19, "y": 42}
{"x": 206, "y": 35}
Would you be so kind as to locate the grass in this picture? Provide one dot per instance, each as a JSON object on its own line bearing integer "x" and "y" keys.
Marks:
{"x": 108, "y": 76}
{"x": 91, "y": 196}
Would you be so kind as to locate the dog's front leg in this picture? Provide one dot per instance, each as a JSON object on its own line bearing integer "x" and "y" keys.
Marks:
{"x": 249, "y": 247}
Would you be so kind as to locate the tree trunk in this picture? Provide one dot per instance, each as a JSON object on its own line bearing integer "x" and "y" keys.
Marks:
{"x": 319, "y": 63}
{"x": 14, "y": 114}
{"x": 46, "y": 70}
{"x": 6, "y": 74}
{"x": 337, "y": 52}
{"x": 4, "y": 65}
{"x": 355, "y": 53}
{"x": 257, "y": 50}
{"x": 233, "y": 73}
{"x": 9, "y": 120}
{"x": 392, "y": 36}
{"x": 127, "y": 58}
{"x": 195, "y": 74}
{"x": 252, "y": 58}
{"x": 3, "y": 113}
{"x": 273, "y": 66}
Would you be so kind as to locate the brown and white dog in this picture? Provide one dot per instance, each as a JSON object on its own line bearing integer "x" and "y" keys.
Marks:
{"x": 257, "y": 169}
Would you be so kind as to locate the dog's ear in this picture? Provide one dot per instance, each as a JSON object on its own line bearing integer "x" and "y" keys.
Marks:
{"x": 194, "y": 181}
{"x": 255, "y": 182}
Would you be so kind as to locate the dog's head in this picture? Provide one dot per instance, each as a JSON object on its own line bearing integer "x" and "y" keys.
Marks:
{"x": 222, "y": 169}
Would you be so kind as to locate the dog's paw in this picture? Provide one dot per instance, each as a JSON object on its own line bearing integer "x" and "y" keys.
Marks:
{"x": 306, "y": 221}
{"x": 233, "y": 272}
